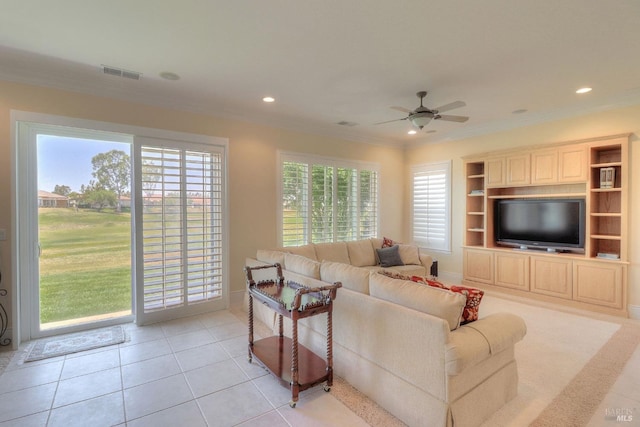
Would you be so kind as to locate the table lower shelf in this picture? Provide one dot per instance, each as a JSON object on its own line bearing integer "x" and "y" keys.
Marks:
{"x": 275, "y": 354}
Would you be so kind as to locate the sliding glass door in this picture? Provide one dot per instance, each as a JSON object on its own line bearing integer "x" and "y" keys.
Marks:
{"x": 115, "y": 225}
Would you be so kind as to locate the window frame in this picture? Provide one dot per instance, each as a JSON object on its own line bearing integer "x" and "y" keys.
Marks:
{"x": 431, "y": 168}
{"x": 335, "y": 163}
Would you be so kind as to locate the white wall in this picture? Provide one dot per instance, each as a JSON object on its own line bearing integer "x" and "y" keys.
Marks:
{"x": 251, "y": 166}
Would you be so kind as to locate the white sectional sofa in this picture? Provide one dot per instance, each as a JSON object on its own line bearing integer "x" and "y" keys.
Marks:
{"x": 400, "y": 342}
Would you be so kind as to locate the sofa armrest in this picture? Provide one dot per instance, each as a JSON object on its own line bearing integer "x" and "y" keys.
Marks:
{"x": 474, "y": 342}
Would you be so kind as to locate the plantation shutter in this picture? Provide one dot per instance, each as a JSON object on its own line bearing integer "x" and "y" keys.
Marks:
{"x": 327, "y": 201}
{"x": 431, "y": 201}
{"x": 368, "y": 206}
{"x": 347, "y": 204}
{"x": 322, "y": 204}
{"x": 295, "y": 196}
{"x": 182, "y": 226}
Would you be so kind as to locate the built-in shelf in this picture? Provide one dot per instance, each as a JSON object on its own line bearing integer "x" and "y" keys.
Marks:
{"x": 605, "y": 237}
{"x": 605, "y": 190}
{"x": 594, "y": 277}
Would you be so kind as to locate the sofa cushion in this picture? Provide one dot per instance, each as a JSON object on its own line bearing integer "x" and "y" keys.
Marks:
{"x": 270, "y": 256}
{"x": 409, "y": 254}
{"x": 354, "y": 278}
{"x": 302, "y": 265}
{"x": 308, "y": 251}
{"x": 389, "y": 256}
{"x": 361, "y": 253}
{"x": 473, "y": 296}
{"x": 436, "y": 302}
{"x": 336, "y": 252}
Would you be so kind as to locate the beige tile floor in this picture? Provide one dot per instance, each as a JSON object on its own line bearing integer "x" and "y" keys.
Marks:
{"x": 194, "y": 372}
{"x": 187, "y": 372}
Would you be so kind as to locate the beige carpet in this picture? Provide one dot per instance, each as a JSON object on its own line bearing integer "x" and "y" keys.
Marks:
{"x": 576, "y": 404}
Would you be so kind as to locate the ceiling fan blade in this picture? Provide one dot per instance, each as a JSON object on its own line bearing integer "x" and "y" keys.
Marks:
{"x": 404, "y": 110}
{"x": 389, "y": 121}
{"x": 459, "y": 119}
{"x": 450, "y": 106}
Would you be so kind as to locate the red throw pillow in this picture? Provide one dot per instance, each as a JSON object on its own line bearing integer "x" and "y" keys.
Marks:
{"x": 387, "y": 243}
{"x": 474, "y": 296}
{"x": 426, "y": 281}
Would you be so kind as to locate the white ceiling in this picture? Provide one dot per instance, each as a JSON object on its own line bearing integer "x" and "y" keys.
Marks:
{"x": 337, "y": 60}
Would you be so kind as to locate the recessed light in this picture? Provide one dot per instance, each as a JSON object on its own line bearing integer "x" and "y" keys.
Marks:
{"x": 168, "y": 75}
{"x": 584, "y": 90}
{"x": 412, "y": 132}
{"x": 268, "y": 99}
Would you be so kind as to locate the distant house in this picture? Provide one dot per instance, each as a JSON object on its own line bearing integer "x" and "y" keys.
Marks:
{"x": 52, "y": 200}
{"x": 125, "y": 202}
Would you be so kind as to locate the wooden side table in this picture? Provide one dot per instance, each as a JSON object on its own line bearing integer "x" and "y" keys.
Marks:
{"x": 296, "y": 366}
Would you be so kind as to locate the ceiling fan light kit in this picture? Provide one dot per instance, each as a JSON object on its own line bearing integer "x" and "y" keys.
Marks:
{"x": 422, "y": 116}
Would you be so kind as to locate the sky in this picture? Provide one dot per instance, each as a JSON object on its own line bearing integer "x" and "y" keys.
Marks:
{"x": 67, "y": 161}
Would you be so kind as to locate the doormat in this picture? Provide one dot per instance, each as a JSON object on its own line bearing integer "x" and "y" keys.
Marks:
{"x": 73, "y": 343}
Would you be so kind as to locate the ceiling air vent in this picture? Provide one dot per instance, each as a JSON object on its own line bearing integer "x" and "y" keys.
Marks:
{"x": 113, "y": 71}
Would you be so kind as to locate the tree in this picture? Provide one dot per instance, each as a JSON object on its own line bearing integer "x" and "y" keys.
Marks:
{"x": 63, "y": 190}
{"x": 100, "y": 198}
{"x": 112, "y": 171}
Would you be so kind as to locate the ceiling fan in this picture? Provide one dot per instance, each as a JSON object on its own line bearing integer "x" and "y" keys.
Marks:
{"x": 422, "y": 115}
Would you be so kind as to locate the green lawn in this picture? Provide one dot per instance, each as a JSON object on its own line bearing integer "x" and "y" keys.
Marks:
{"x": 85, "y": 266}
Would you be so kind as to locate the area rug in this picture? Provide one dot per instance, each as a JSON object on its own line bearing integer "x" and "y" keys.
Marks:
{"x": 73, "y": 343}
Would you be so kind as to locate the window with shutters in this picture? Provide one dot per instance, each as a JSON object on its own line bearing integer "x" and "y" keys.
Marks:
{"x": 181, "y": 226}
{"x": 431, "y": 202}
{"x": 327, "y": 200}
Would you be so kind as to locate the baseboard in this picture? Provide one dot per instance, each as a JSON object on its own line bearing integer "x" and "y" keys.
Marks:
{"x": 634, "y": 311}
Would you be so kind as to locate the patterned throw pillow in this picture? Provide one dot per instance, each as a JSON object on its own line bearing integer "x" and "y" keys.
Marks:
{"x": 473, "y": 295}
{"x": 394, "y": 275}
{"x": 387, "y": 243}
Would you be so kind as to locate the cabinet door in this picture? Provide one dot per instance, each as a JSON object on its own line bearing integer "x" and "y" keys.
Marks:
{"x": 478, "y": 266}
{"x": 512, "y": 271}
{"x": 572, "y": 164}
{"x": 598, "y": 283}
{"x": 551, "y": 276}
{"x": 544, "y": 167}
{"x": 494, "y": 172}
{"x": 519, "y": 169}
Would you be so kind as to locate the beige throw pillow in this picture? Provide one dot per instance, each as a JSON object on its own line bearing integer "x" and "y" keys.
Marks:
{"x": 361, "y": 253}
{"x": 302, "y": 265}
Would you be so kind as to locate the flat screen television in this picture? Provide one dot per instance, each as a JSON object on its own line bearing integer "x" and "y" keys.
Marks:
{"x": 552, "y": 224}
